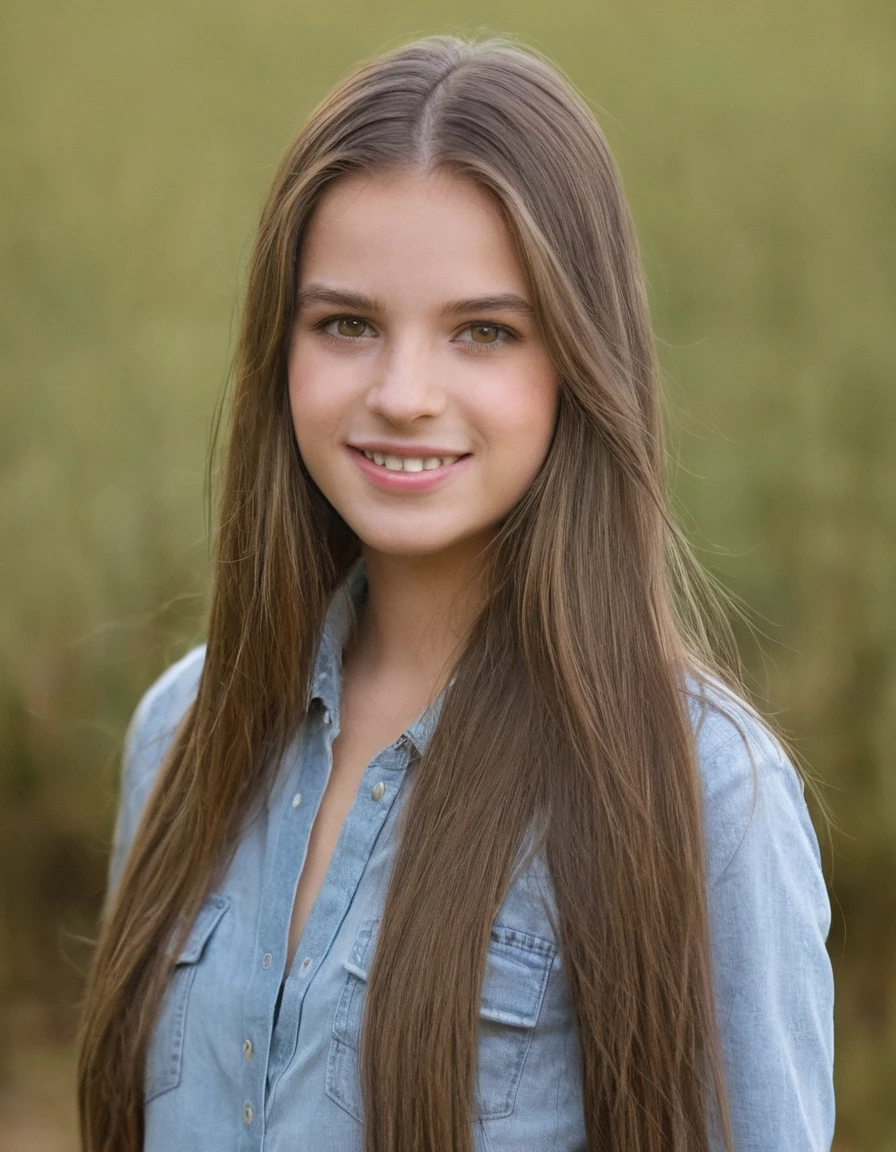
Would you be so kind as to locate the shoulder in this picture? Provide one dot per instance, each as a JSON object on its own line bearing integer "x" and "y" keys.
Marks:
{"x": 155, "y": 720}
{"x": 148, "y": 738}
{"x": 769, "y": 916}
{"x": 753, "y": 796}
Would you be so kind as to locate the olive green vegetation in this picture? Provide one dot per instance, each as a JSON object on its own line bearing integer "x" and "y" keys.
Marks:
{"x": 757, "y": 146}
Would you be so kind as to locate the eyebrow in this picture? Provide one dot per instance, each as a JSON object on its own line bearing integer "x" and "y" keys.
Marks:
{"x": 356, "y": 301}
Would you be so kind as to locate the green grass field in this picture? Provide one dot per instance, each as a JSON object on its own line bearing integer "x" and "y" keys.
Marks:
{"x": 757, "y": 146}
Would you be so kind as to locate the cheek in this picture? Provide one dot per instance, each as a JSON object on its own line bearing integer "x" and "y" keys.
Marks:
{"x": 524, "y": 414}
{"x": 296, "y": 378}
{"x": 313, "y": 401}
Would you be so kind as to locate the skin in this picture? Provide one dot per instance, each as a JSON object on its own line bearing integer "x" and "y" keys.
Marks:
{"x": 477, "y": 381}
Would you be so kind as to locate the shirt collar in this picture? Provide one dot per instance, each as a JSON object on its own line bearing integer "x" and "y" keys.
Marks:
{"x": 326, "y": 679}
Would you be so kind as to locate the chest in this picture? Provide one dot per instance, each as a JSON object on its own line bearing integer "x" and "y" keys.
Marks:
{"x": 253, "y": 1052}
{"x": 247, "y": 1053}
{"x": 364, "y": 732}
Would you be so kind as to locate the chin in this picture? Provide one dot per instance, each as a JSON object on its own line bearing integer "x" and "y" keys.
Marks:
{"x": 414, "y": 542}
{"x": 391, "y": 546}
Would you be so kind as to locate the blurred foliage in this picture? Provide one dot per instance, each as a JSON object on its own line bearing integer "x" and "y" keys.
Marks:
{"x": 757, "y": 146}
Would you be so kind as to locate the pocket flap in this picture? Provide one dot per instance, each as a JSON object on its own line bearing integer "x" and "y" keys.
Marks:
{"x": 517, "y": 965}
{"x": 203, "y": 926}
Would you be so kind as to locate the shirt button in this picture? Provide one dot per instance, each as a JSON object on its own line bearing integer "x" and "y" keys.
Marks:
{"x": 379, "y": 791}
{"x": 266, "y": 960}
{"x": 326, "y": 716}
{"x": 297, "y": 800}
{"x": 247, "y": 1113}
{"x": 306, "y": 963}
{"x": 247, "y": 1049}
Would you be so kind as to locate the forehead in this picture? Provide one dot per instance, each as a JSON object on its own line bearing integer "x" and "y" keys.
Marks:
{"x": 411, "y": 236}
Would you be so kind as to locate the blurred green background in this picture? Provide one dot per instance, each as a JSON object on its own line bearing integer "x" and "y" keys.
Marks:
{"x": 757, "y": 145}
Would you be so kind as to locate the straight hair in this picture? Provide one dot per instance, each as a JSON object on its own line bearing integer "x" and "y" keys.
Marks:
{"x": 566, "y": 715}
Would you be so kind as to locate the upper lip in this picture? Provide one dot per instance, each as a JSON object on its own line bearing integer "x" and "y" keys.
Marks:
{"x": 411, "y": 450}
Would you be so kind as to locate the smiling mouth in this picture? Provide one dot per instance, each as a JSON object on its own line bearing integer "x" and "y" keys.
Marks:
{"x": 409, "y": 463}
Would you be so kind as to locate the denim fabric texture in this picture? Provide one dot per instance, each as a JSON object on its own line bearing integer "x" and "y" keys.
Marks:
{"x": 247, "y": 1056}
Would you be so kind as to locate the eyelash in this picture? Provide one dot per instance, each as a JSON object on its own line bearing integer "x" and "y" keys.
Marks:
{"x": 510, "y": 336}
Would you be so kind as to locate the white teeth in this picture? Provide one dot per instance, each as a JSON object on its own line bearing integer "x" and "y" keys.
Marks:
{"x": 409, "y": 463}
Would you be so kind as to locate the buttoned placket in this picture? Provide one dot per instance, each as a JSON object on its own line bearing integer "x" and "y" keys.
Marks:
{"x": 269, "y": 955}
{"x": 274, "y": 998}
{"x": 273, "y": 1034}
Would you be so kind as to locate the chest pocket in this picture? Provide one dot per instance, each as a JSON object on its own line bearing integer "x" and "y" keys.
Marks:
{"x": 517, "y": 967}
{"x": 165, "y": 1053}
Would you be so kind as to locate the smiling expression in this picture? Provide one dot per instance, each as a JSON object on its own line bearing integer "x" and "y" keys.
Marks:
{"x": 422, "y": 397}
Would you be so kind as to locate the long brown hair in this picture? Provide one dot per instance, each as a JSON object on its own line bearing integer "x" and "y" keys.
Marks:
{"x": 567, "y": 710}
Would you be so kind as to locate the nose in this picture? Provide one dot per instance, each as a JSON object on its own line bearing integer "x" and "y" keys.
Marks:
{"x": 406, "y": 386}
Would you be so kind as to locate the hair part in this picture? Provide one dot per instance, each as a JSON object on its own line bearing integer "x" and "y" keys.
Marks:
{"x": 566, "y": 712}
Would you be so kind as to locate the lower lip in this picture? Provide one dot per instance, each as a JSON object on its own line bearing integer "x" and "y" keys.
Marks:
{"x": 390, "y": 481}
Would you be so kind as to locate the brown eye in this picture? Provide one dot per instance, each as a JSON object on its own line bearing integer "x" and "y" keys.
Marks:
{"x": 484, "y": 333}
{"x": 350, "y": 326}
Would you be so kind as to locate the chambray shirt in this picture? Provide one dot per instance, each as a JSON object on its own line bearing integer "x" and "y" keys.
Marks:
{"x": 248, "y": 1056}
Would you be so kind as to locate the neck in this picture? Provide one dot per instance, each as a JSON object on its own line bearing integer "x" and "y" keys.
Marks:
{"x": 417, "y": 616}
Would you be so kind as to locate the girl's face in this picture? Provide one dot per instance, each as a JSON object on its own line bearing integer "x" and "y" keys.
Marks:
{"x": 422, "y": 397}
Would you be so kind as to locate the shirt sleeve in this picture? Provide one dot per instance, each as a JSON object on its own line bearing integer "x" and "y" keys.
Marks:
{"x": 128, "y": 812}
{"x": 148, "y": 737}
{"x": 769, "y": 916}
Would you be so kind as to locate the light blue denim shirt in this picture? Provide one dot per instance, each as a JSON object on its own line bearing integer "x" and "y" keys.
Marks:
{"x": 247, "y": 1056}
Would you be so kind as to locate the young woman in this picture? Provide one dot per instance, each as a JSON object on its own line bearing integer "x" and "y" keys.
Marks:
{"x": 453, "y": 837}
